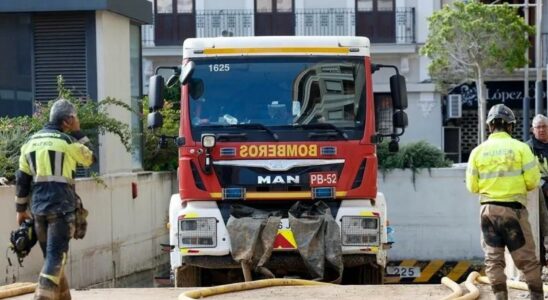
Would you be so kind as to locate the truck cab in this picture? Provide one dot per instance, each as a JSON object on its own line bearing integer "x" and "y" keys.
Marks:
{"x": 270, "y": 121}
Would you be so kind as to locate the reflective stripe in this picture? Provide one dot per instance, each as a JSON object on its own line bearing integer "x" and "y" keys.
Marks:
{"x": 31, "y": 164}
{"x": 473, "y": 172}
{"x": 54, "y": 279}
{"x": 529, "y": 165}
{"x": 53, "y": 179}
{"x": 58, "y": 170}
{"x": 23, "y": 200}
{"x": 489, "y": 175}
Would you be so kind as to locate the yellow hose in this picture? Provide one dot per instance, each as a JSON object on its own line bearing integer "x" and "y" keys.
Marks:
{"x": 518, "y": 285}
{"x": 457, "y": 290}
{"x": 244, "y": 286}
{"x": 469, "y": 284}
{"x": 16, "y": 289}
{"x": 455, "y": 287}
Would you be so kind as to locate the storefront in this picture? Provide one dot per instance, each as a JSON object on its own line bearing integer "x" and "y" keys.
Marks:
{"x": 461, "y": 125}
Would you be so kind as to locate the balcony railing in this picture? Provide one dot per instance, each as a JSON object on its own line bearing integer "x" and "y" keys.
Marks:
{"x": 147, "y": 35}
{"x": 325, "y": 22}
{"x": 213, "y": 23}
{"x": 308, "y": 22}
{"x": 405, "y": 25}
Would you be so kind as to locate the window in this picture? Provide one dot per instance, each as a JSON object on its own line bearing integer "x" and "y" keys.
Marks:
{"x": 284, "y": 5}
{"x": 15, "y": 67}
{"x": 264, "y": 6}
{"x": 385, "y": 5}
{"x": 285, "y": 95}
{"x": 184, "y": 6}
{"x": 365, "y": 5}
{"x": 164, "y": 6}
{"x": 135, "y": 81}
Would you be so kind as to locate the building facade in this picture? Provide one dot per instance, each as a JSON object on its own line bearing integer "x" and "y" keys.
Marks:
{"x": 396, "y": 29}
{"x": 517, "y": 90}
{"x": 94, "y": 44}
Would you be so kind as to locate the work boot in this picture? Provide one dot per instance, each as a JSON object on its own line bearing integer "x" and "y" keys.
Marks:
{"x": 502, "y": 295}
{"x": 537, "y": 295}
{"x": 536, "y": 292}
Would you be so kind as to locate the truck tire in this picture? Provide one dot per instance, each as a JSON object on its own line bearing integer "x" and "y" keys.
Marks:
{"x": 372, "y": 274}
{"x": 188, "y": 276}
{"x": 364, "y": 274}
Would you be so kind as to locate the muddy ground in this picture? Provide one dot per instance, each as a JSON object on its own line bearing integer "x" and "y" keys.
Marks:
{"x": 348, "y": 292}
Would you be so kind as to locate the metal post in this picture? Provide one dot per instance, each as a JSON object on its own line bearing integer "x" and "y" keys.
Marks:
{"x": 526, "y": 129}
{"x": 538, "y": 59}
{"x": 526, "y": 100}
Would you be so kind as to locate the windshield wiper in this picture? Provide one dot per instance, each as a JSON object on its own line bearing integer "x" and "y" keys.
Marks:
{"x": 258, "y": 126}
{"x": 325, "y": 126}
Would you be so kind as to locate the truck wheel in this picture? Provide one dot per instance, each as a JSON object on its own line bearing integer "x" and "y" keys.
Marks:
{"x": 188, "y": 276}
{"x": 372, "y": 274}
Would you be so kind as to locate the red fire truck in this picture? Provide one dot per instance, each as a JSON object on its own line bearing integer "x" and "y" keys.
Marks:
{"x": 270, "y": 121}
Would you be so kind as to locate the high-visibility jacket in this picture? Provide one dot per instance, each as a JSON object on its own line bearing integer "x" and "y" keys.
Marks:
{"x": 50, "y": 157}
{"x": 502, "y": 169}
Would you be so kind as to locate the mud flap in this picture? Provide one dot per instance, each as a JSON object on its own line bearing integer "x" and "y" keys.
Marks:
{"x": 318, "y": 238}
{"x": 252, "y": 233}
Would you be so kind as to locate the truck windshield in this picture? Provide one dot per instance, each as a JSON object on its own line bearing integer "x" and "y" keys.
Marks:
{"x": 282, "y": 97}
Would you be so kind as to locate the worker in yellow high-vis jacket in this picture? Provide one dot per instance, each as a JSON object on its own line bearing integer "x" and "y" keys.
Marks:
{"x": 502, "y": 170}
{"x": 48, "y": 163}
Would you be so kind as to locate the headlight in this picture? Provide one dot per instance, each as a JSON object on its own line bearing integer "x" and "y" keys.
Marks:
{"x": 360, "y": 231}
{"x": 198, "y": 233}
{"x": 370, "y": 223}
{"x": 208, "y": 140}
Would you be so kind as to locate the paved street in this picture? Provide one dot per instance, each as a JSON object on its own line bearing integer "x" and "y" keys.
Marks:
{"x": 392, "y": 292}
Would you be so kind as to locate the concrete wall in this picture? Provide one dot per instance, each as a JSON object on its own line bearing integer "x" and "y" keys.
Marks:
{"x": 113, "y": 80}
{"x": 123, "y": 236}
{"x": 436, "y": 218}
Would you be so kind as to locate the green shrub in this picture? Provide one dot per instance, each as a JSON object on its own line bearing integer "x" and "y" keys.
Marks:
{"x": 154, "y": 158}
{"x": 414, "y": 156}
{"x": 93, "y": 116}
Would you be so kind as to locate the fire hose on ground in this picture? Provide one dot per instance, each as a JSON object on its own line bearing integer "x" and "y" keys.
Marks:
{"x": 474, "y": 291}
{"x": 16, "y": 289}
{"x": 245, "y": 286}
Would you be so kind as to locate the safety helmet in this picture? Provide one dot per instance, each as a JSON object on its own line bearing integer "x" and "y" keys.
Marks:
{"x": 501, "y": 111}
{"x": 23, "y": 239}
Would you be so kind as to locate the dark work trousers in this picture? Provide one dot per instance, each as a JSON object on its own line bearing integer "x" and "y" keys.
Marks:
{"x": 543, "y": 223}
{"x": 508, "y": 227}
{"x": 54, "y": 232}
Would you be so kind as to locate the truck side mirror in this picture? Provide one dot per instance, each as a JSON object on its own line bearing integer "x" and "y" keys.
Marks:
{"x": 398, "y": 90}
{"x": 156, "y": 93}
{"x": 173, "y": 79}
{"x": 400, "y": 119}
{"x": 155, "y": 120}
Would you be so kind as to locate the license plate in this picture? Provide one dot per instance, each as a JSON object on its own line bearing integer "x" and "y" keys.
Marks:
{"x": 323, "y": 179}
{"x": 403, "y": 272}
